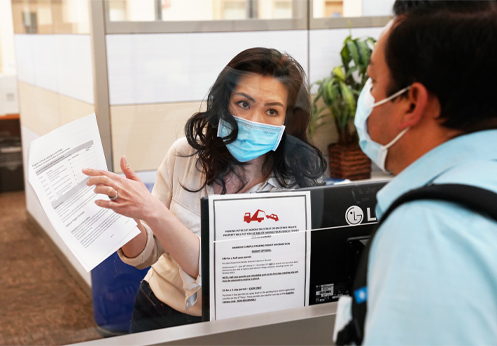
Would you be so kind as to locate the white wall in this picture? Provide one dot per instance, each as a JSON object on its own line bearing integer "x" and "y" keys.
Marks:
{"x": 59, "y": 63}
{"x": 9, "y": 101}
{"x": 377, "y": 8}
{"x": 161, "y": 68}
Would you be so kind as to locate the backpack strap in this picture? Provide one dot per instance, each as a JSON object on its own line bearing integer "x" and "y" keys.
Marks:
{"x": 471, "y": 197}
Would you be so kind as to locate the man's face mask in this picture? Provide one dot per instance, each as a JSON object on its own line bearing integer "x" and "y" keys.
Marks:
{"x": 365, "y": 104}
{"x": 253, "y": 140}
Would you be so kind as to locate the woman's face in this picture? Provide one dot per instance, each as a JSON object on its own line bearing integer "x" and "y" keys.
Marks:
{"x": 259, "y": 99}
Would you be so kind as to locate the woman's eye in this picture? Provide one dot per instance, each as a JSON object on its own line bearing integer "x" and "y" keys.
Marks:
{"x": 272, "y": 112}
{"x": 243, "y": 104}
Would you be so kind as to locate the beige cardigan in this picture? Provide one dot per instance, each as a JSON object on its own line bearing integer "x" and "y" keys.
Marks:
{"x": 169, "y": 282}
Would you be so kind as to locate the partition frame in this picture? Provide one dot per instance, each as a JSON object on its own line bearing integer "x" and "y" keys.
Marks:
{"x": 303, "y": 21}
{"x": 101, "y": 77}
{"x": 299, "y": 22}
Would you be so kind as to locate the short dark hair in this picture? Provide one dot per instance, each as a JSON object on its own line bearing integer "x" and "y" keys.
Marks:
{"x": 292, "y": 164}
{"x": 454, "y": 55}
{"x": 401, "y": 7}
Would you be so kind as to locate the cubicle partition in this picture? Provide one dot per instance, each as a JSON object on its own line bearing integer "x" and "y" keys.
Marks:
{"x": 145, "y": 66}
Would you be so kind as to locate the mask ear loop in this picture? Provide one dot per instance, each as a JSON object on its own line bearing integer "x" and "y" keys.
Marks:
{"x": 400, "y": 92}
{"x": 397, "y": 138}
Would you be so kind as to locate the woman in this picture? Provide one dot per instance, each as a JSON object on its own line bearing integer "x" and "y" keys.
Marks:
{"x": 252, "y": 138}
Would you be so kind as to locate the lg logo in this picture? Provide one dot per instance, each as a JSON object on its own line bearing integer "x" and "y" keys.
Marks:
{"x": 354, "y": 215}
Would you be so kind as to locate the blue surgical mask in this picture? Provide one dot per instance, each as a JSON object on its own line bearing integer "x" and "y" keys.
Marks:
{"x": 365, "y": 104}
{"x": 253, "y": 139}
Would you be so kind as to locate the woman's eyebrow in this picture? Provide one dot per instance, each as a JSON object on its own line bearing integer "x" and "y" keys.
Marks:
{"x": 245, "y": 95}
{"x": 275, "y": 104}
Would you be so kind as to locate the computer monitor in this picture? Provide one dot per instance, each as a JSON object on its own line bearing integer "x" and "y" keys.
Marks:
{"x": 343, "y": 217}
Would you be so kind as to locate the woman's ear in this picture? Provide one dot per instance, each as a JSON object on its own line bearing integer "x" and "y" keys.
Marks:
{"x": 415, "y": 106}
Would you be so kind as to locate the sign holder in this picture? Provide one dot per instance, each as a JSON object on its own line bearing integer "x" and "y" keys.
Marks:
{"x": 342, "y": 217}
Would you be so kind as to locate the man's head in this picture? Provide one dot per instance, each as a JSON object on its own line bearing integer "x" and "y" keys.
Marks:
{"x": 448, "y": 57}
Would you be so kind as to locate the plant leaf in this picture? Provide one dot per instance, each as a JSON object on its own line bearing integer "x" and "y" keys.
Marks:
{"x": 338, "y": 73}
{"x": 327, "y": 92}
{"x": 342, "y": 87}
{"x": 371, "y": 40}
{"x": 345, "y": 54}
{"x": 349, "y": 72}
{"x": 351, "y": 45}
{"x": 364, "y": 53}
{"x": 348, "y": 97}
{"x": 335, "y": 93}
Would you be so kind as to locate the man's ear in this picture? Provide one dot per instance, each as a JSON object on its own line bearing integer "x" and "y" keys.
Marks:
{"x": 415, "y": 105}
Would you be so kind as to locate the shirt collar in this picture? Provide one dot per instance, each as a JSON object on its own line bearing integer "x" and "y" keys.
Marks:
{"x": 269, "y": 185}
{"x": 462, "y": 149}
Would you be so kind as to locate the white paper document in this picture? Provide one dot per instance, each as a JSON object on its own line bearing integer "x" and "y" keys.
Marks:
{"x": 55, "y": 163}
{"x": 260, "y": 253}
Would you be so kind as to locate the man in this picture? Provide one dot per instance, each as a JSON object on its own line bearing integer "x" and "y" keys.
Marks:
{"x": 432, "y": 271}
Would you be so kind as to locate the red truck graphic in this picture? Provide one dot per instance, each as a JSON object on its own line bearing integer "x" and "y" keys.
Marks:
{"x": 248, "y": 219}
{"x": 259, "y": 216}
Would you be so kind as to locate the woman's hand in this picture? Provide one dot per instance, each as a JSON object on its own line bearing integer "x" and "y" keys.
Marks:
{"x": 132, "y": 198}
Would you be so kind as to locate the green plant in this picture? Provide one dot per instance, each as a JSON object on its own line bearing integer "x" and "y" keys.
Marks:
{"x": 340, "y": 91}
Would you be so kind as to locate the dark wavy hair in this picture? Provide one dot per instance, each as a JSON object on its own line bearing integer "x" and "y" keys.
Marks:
{"x": 295, "y": 162}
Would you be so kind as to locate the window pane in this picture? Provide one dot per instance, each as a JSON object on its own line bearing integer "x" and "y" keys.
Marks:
{"x": 198, "y": 10}
{"x": 71, "y": 16}
{"x": 51, "y": 16}
{"x": 351, "y": 8}
{"x": 32, "y": 17}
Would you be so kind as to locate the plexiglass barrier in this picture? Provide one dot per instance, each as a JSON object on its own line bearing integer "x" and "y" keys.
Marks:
{"x": 155, "y": 83}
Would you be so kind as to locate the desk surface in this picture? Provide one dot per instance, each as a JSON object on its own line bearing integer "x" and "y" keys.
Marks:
{"x": 311, "y": 325}
{"x": 9, "y": 117}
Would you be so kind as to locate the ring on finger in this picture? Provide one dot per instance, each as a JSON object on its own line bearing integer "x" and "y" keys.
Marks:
{"x": 115, "y": 197}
